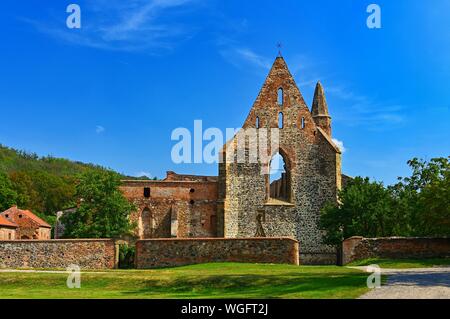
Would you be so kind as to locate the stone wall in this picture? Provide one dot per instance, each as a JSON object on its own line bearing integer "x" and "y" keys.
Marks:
{"x": 357, "y": 248}
{"x": 176, "y": 252}
{"x": 86, "y": 253}
{"x": 313, "y": 165}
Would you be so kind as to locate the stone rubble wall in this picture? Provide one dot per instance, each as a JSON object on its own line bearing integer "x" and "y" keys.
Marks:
{"x": 357, "y": 248}
{"x": 153, "y": 253}
{"x": 58, "y": 253}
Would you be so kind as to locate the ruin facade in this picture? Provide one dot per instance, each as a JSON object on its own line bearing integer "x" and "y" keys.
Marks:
{"x": 242, "y": 201}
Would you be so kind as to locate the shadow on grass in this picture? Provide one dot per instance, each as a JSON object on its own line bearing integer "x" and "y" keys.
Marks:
{"x": 256, "y": 286}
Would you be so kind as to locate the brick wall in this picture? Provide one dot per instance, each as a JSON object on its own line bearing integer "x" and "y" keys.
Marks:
{"x": 357, "y": 248}
{"x": 176, "y": 252}
{"x": 86, "y": 253}
{"x": 174, "y": 208}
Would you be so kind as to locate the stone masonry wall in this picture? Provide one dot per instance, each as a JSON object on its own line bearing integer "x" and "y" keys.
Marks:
{"x": 312, "y": 161}
{"x": 86, "y": 253}
{"x": 154, "y": 253}
{"x": 357, "y": 248}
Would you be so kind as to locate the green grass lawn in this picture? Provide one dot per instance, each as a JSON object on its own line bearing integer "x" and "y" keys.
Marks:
{"x": 217, "y": 280}
{"x": 403, "y": 263}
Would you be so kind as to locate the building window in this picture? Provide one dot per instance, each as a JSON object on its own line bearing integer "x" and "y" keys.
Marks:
{"x": 257, "y": 122}
{"x": 280, "y": 97}
{"x": 192, "y": 190}
{"x": 303, "y": 123}
{"x": 280, "y": 120}
{"x": 147, "y": 192}
{"x": 279, "y": 179}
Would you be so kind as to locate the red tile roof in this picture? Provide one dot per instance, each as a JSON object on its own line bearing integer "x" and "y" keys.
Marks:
{"x": 7, "y": 223}
{"x": 41, "y": 222}
{"x": 17, "y": 211}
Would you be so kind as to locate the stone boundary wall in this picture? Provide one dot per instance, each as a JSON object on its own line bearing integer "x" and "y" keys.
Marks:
{"x": 59, "y": 253}
{"x": 153, "y": 253}
{"x": 357, "y": 248}
{"x": 318, "y": 258}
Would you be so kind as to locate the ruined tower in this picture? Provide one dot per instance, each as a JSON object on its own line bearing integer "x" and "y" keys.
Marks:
{"x": 249, "y": 203}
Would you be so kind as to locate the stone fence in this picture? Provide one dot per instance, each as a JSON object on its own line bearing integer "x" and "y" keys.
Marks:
{"x": 152, "y": 253}
{"x": 357, "y": 248}
{"x": 59, "y": 253}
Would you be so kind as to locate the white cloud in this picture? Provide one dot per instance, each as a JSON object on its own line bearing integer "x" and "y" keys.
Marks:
{"x": 99, "y": 129}
{"x": 125, "y": 25}
{"x": 238, "y": 56}
{"x": 340, "y": 145}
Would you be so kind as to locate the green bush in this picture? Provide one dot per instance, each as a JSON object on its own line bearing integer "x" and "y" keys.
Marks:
{"x": 126, "y": 256}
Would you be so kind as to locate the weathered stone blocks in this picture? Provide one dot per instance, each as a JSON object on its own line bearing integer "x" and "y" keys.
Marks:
{"x": 153, "y": 253}
{"x": 86, "y": 253}
{"x": 357, "y": 248}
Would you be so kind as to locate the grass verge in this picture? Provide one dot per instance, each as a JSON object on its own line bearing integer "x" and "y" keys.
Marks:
{"x": 216, "y": 280}
{"x": 403, "y": 263}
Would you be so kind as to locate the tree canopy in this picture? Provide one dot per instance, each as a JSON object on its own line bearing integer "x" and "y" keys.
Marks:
{"x": 43, "y": 185}
{"x": 103, "y": 211}
{"x": 418, "y": 205}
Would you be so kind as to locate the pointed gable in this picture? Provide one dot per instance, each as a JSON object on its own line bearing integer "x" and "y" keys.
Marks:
{"x": 279, "y": 94}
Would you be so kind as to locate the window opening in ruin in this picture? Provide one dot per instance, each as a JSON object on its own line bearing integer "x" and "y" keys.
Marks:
{"x": 303, "y": 122}
{"x": 257, "y": 122}
{"x": 280, "y": 120}
{"x": 147, "y": 192}
{"x": 280, "y": 97}
{"x": 279, "y": 179}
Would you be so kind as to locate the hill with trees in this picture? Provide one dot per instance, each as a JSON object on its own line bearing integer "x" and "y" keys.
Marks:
{"x": 43, "y": 185}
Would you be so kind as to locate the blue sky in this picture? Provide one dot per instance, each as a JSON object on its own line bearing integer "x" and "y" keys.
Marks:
{"x": 112, "y": 92}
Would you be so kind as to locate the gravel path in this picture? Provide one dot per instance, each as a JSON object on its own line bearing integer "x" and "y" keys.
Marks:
{"x": 417, "y": 283}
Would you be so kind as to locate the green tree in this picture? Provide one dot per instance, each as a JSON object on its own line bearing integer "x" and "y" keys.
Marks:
{"x": 418, "y": 205}
{"x": 424, "y": 197}
{"x": 365, "y": 208}
{"x": 8, "y": 196}
{"x": 104, "y": 212}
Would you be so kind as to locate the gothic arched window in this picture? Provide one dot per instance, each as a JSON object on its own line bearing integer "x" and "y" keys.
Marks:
{"x": 279, "y": 179}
